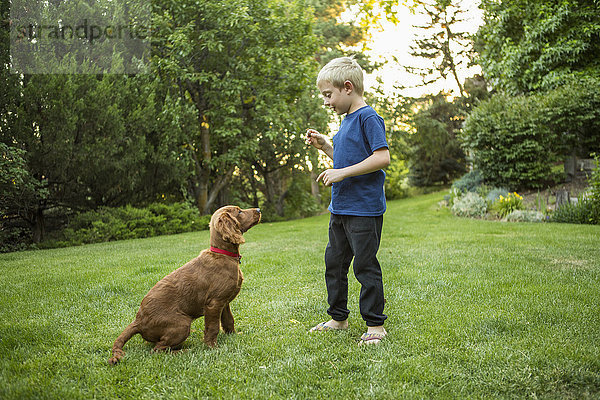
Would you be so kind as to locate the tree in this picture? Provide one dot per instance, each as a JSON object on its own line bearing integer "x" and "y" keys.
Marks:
{"x": 447, "y": 49}
{"x": 527, "y": 46}
{"x": 88, "y": 141}
{"x": 223, "y": 57}
{"x": 436, "y": 155}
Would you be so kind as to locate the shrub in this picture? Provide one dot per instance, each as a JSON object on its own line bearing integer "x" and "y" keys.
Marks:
{"x": 508, "y": 204}
{"x": 470, "y": 205}
{"x": 587, "y": 208}
{"x": 495, "y": 193}
{"x": 514, "y": 139}
{"x": 106, "y": 224}
{"x": 508, "y": 143}
{"x": 525, "y": 216}
{"x": 594, "y": 195}
{"x": 396, "y": 180}
{"x": 469, "y": 182}
{"x": 435, "y": 153}
{"x": 573, "y": 213}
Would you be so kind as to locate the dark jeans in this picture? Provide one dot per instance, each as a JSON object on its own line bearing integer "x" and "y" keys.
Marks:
{"x": 358, "y": 238}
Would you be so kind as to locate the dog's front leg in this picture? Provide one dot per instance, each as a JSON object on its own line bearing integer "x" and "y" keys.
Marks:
{"x": 227, "y": 321}
{"x": 212, "y": 323}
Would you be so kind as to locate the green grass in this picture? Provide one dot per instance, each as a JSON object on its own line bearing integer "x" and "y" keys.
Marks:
{"x": 477, "y": 309}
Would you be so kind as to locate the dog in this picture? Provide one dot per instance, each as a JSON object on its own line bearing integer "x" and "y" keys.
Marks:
{"x": 203, "y": 287}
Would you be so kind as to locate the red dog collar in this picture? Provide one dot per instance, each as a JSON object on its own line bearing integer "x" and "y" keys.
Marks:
{"x": 227, "y": 253}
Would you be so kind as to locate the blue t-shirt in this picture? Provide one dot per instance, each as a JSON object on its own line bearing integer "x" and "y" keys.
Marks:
{"x": 361, "y": 133}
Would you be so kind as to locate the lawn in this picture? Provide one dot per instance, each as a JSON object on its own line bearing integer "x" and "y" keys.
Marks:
{"x": 477, "y": 309}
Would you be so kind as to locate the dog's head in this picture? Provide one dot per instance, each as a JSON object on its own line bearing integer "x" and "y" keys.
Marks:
{"x": 230, "y": 222}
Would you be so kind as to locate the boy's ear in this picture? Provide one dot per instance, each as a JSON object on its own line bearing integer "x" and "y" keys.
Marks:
{"x": 348, "y": 87}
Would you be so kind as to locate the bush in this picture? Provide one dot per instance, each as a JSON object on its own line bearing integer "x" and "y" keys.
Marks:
{"x": 396, "y": 180}
{"x": 469, "y": 182}
{"x": 594, "y": 196}
{"x": 107, "y": 224}
{"x": 470, "y": 205}
{"x": 574, "y": 213}
{"x": 525, "y": 216}
{"x": 514, "y": 139}
{"x": 435, "y": 152}
{"x": 509, "y": 146}
{"x": 494, "y": 194}
{"x": 587, "y": 208}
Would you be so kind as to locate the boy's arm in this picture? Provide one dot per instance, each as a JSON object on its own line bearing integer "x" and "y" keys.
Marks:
{"x": 319, "y": 141}
{"x": 376, "y": 161}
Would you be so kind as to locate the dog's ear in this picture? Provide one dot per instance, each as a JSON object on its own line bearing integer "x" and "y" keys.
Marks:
{"x": 229, "y": 228}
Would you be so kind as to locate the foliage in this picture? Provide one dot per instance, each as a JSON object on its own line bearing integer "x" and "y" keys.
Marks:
{"x": 395, "y": 111}
{"x": 509, "y": 145}
{"x": 469, "y": 205}
{"x": 229, "y": 84}
{"x": 594, "y": 195}
{"x": 243, "y": 66}
{"x": 581, "y": 212}
{"x": 587, "y": 208}
{"x": 435, "y": 153}
{"x": 527, "y": 46}
{"x": 572, "y": 114}
{"x": 506, "y": 205}
{"x": 469, "y": 182}
{"x": 19, "y": 189}
{"x": 495, "y": 193}
{"x": 514, "y": 139}
{"x": 525, "y": 216}
{"x": 91, "y": 141}
{"x": 396, "y": 179}
{"x": 108, "y": 224}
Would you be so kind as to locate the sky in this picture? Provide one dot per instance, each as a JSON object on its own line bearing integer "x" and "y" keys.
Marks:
{"x": 395, "y": 40}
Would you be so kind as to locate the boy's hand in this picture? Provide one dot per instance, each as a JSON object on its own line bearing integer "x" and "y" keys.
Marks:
{"x": 315, "y": 139}
{"x": 330, "y": 176}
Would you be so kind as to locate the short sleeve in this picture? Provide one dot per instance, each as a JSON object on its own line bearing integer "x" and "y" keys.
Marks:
{"x": 374, "y": 129}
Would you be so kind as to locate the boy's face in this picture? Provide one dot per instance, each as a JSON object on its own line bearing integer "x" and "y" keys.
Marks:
{"x": 337, "y": 99}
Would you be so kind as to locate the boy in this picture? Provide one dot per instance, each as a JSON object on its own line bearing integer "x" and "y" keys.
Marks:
{"x": 359, "y": 152}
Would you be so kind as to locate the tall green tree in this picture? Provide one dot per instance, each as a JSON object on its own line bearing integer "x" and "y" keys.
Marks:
{"x": 527, "y": 46}
{"x": 435, "y": 153}
{"x": 232, "y": 61}
{"x": 87, "y": 141}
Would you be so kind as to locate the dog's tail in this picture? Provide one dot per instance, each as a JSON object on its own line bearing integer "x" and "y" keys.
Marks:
{"x": 117, "y": 349}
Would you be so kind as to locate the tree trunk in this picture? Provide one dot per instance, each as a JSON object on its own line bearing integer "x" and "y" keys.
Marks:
{"x": 38, "y": 226}
{"x": 562, "y": 198}
{"x": 217, "y": 187}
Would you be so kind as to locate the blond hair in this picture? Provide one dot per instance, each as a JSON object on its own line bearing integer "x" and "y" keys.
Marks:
{"x": 340, "y": 70}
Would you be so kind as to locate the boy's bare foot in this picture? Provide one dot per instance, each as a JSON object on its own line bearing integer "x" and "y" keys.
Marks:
{"x": 374, "y": 335}
{"x": 331, "y": 325}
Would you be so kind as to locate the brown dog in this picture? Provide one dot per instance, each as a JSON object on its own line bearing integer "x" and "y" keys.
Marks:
{"x": 202, "y": 287}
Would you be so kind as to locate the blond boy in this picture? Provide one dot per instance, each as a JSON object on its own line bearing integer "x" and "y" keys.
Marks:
{"x": 359, "y": 152}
